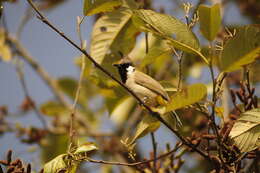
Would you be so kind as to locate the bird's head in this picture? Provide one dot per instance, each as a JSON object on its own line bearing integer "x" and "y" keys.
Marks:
{"x": 124, "y": 63}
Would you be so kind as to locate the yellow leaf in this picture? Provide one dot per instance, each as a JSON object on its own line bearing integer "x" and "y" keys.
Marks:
{"x": 5, "y": 52}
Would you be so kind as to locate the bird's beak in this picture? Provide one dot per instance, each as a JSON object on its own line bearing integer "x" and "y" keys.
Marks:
{"x": 116, "y": 64}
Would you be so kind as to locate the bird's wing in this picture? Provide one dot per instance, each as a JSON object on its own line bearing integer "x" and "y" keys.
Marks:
{"x": 148, "y": 82}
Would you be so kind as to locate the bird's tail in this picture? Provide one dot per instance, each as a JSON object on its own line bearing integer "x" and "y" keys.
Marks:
{"x": 177, "y": 118}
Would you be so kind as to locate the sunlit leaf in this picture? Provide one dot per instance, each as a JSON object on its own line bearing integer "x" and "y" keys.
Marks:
{"x": 85, "y": 148}
{"x": 187, "y": 96}
{"x": 242, "y": 49}
{"x": 111, "y": 33}
{"x": 122, "y": 110}
{"x": 210, "y": 20}
{"x": 132, "y": 4}
{"x": 139, "y": 51}
{"x": 168, "y": 86}
{"x": 59, "y": 164}
{"x": 177, "y": 33}
{"x": 147, "y": 125}
{"x": 92, "y": 7}
{"x": 5, "y": 52}
{"x": 56, "y": 165}
{"x": 246, "y": 131}
{"x": 53, "y": 108}
{"x": 156, "y": 52}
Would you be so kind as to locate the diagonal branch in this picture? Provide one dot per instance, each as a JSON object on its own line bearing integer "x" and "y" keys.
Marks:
{"x": 27, "y": 95}
{"x": 155, "y": 114}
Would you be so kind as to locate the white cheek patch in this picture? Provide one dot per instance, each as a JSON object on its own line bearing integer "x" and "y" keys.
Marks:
{"x": 130, "y": 70}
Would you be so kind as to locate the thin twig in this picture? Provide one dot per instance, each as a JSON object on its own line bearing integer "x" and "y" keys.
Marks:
{"x": 73, "y": 109}
{"x": 25, "y": 18}
{"x": 146, "y": 43}
{"x": 154, "y": 151}
{"x": 135, "y": 163}
{"x": 214, "y": 100}
{"x": 187, "y": 143}
{"x": 152, "y": 133}
{"x": 27, "y": 95}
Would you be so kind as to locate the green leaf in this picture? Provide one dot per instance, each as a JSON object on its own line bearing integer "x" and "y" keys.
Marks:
{"x": 168, "y": 86}
{"x": 187, "y": 96}
{"x": 68, "y": 86}
{"x": 111, "y": 33}
{"x": 177, "y": 33}
{"x": 49, "y": 147}
{"x": 85, "y": 148}
{"x": 242, "y": 49}
{"x": 246, "y": 131}
{"x": 59, "y": 164}
{"x": 122, "y": 110}
{"x": 132, "y": 4}
{"x": 147, "y": 125}
{"x": 53, "y": 108}
{"x": 210, "y": 20}
{"x": 92, "y": 7}
{"x": 56, "y": 165}
{"x": 156, "y": 52}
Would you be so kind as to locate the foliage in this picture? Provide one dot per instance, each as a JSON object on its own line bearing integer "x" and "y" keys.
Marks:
{"x": 198, "y": 71}
{"x": 187, "y": 96}
{"x": 242, "y": 49}
{"x": 246, "y": 131}
{"x": 210, "y": 20}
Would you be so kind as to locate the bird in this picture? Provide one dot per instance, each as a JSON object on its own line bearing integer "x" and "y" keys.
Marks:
{"x": 144, "y": 86}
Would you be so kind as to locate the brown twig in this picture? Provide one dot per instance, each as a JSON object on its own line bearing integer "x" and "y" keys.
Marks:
{"x": 154, "y": 152}
{"x": 187, "y": 143}
{"x": 135, "y": 163}
{"x": 83, "y": 66}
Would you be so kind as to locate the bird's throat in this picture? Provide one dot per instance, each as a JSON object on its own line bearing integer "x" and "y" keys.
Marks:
{"x": 125, "y": 71}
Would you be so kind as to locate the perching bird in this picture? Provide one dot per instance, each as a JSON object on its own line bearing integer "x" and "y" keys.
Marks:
{"x": 144, "y": 86}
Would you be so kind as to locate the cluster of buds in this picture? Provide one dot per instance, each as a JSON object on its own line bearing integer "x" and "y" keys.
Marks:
{"x": 245, "y": 95}
{"x": 15, "y": 166}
